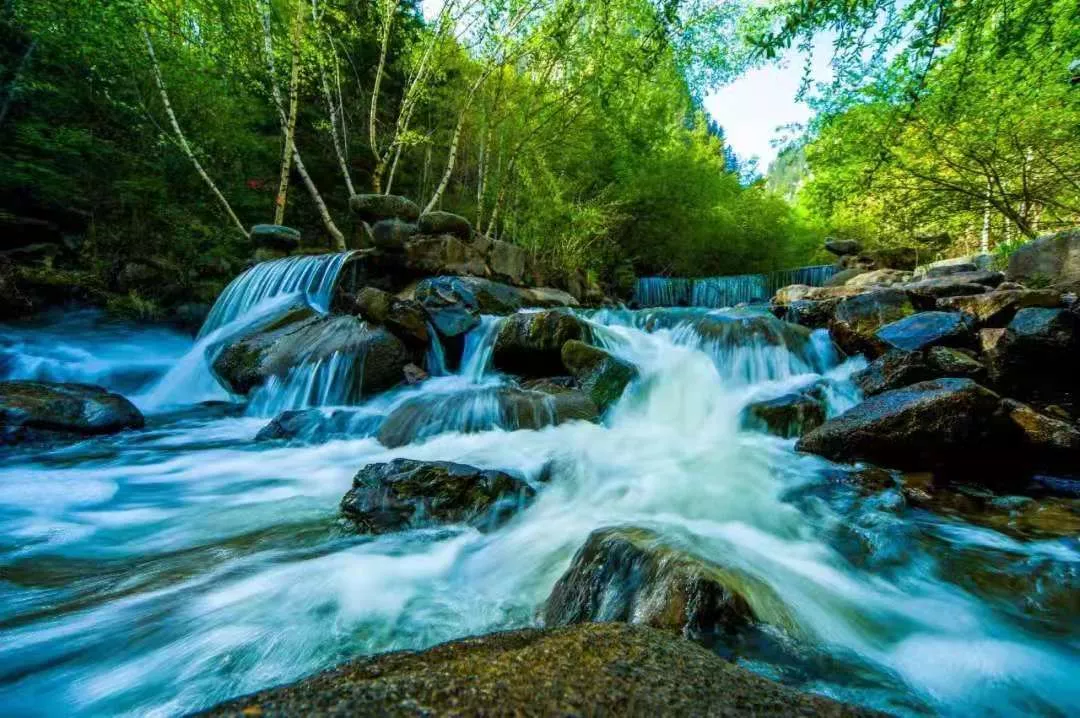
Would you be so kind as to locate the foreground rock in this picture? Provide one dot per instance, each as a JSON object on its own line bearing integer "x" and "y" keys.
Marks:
{"x": 34, "y": 410}
{"x": 406, "y": 494}
{"x": 531, "y": 344}
{"x": 602, "y": 376}
{"x": 594, "y": 670}
{"x": 628, "y": 574}
{"x": 944, "y": 422}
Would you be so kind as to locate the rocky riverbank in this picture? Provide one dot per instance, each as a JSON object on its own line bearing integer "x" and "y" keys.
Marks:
{"x": 593, "y": 669}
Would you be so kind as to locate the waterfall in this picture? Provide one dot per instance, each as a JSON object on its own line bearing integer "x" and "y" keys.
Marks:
{"x": 332, "y": 380}
{"x": 718, "y": 292}
{"x": 314, "y": 275}
{"x": 479, "y": 346}
{"x": 436, "y": 356}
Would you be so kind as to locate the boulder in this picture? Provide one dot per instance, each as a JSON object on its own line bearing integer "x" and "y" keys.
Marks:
{"x": 630, "y": 575}
{"x": 929, "y": 329}
{"x": 605, "y": 669}
{"x": 788, "y": 416}
{"x": 897, "y": 368}
{"x": 378, "y": 357}
{"x": 996, "y": 309}
{"x": 444, "y": 254}
{"x": 602, "y": 376}
{"x": 507, "y": 262}
{"x": 807, "y": 313}
{"x": 38, "y": 410}
{"x": 1035, "y": 355}
{"x": 926, "y": 292}
{"x": 372, "y": 208}
{"x": 390, "y": 235}
{"x": 947, "y": 270}
{"x": 549, "y": 297}
{"x": 275, "y": 237}
{"x": 800, "y": 292}
{"x": 436, "y": 223}
{"x": 404, "y": 494}
{"x": 943, "y": 422}
{"x": 456, "y": 303}
{"x": 878, "y": 278}
{"x": 1050, "y": 438}
{"x": 905, "y": 258}
{"x": 1050, "y": 260}
{"x": 856, "y": 320}
{"x": 843, "y": 247}
{"x": 530, "y": 344}
{"x": 405, "y": 318}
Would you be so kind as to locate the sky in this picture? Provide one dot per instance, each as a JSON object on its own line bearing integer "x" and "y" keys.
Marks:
{"x": 752, "y": 108}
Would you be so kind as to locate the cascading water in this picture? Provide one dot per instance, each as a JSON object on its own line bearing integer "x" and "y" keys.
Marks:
{"x": 159, "y": 572}
{"x": 314, "y": 275}
{"x": 719, "y": 292}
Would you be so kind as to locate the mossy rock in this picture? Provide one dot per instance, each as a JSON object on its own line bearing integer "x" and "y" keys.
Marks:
{"x": 531, "y": 344}
{"x": 436, "y": 223}
{"x": 372, "y": 208}
{"x": 602, "y": 376}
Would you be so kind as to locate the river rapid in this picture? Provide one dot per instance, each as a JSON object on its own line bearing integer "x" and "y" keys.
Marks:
{"x": 162, "y": 571}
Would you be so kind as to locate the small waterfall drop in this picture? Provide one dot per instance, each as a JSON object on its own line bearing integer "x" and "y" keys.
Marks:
{"x": 729, "y": 291}
{"x": 312, "y": 275}
{"x": 479, "y": 347}
{"x": 436, "y": 356}
{"x": 332, "y": 380}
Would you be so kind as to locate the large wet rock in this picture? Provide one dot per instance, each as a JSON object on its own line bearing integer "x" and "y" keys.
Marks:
{"x": 929, "y": 329}
{"x": 378, "y": 357}
{"x": 37, "y": 410}
{"x": 606, "y": 669}
{"x": 897, "y": 368}
{"x": 1035, "y": 355}
{"x": 530, "y": 344}
{"x": 456, "y": 303}
{"x": 788, "y": 416}
{"x": 1052, "y": 439}
{"x": 942, "y": 422}
{"x": 507, "y": 261}
{"x": 602, "y": 376}
{"x": 1053, "y": 259}
{"x": 926, "y": 292}
{"x": 406, "y": 318}
{"x": 631, "y": 575}
{"x": 997, "y": 309}
{"x": 372, "y": 208}
{"x": 391, "y": 235}
{"x": 484, "y": 409}
{"x": 443, "y": 254}
{"x": 857, "y": 319}
{"x": 276, "y": 237}
{"x": 437, "y": 222}
{"x": 404, "y": 494}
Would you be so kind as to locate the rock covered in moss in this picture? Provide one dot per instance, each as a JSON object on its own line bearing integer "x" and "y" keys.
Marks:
{"x": 38, "y": 410}
{"x": 601, "y": 375}
{"x": 585, "y": 670}
{"x": 404, "y": 494}
{"x": 439, "y": 222}
{"x": 857, "y": 319}
{"x": 530, "y": 344}
{"x": 372, "y": 208}
{"x": 276, "y": 237}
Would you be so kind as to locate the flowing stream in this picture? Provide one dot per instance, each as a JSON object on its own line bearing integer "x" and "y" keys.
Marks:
{"x": 162, "y": 571}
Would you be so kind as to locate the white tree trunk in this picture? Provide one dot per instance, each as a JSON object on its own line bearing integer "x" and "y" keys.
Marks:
{"x": 181, "y": 140}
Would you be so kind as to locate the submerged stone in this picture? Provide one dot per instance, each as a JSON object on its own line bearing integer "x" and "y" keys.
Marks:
{"x": 405, "y": 494}
{"x": 630, "y": 575}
